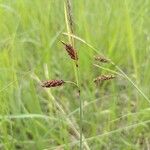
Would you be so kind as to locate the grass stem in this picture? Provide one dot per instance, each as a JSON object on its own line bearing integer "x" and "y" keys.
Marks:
{"x": 69, "y": 25}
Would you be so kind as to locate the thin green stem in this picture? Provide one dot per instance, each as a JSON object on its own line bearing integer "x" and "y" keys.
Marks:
{"x": 68, "y": 19}
{"x": 72, "y": 83}
{"x": 80, "y": 105}
{"x": 107, "y": 69}
{"x": 81, "y": 120}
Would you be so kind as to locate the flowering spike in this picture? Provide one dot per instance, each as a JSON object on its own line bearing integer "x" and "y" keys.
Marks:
{"x": 71, "y": 51}
{"x": 101, "y": 59}
{"x": 103, "y": 78}
{"x": 52, "y": 83}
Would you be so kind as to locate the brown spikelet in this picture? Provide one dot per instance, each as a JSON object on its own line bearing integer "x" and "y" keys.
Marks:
{"x": 71, "y": 51}
{"x": 101, "y": 59}
{"x": 103, "y": 78}
{"x": 52, "y": 83}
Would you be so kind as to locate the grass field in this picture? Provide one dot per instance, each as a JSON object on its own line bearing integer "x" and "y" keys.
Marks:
{"x": 116, "y": 114}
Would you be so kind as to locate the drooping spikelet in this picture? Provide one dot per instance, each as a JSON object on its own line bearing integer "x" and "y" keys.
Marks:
{"x": 71, "y": 51}
{"x": 103, "y": 78}
{"x": 101, "y": 59}
{"x": 52, "y": 83}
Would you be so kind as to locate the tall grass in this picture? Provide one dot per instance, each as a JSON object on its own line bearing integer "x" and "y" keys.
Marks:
{"x": 70, "y": 29}
{"x": 116, "y": 115}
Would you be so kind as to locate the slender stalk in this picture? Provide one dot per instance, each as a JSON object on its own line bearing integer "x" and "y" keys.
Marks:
{"x": 72, "y": 83}
{"x": 69, "y": 24}
{"x": 81, "y": 120}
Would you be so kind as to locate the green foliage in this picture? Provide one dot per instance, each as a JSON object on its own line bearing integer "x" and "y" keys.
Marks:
{"x": 116, "y": 115}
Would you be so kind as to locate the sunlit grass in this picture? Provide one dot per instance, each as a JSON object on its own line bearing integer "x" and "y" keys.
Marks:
{"x": 116, "y": 114}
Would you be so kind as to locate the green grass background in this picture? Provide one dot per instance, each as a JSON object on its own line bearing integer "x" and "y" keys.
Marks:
{"x": 30, "y": 34}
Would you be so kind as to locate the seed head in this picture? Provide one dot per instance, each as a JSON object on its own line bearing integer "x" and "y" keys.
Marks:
{"x": 52, "y": 83}
{"x": 70, "y": 15}
{"x": 101, "y": 59}
{"x": 71, "y": 51}
{"x": 103, "y": 78}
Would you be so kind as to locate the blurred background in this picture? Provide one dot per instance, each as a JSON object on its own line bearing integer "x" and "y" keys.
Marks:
{"x": 116, "y": 114}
